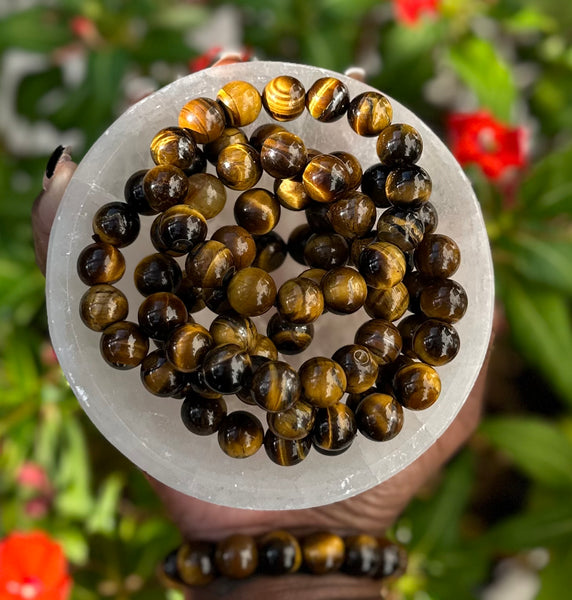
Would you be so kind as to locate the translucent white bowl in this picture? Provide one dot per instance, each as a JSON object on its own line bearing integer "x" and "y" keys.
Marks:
{"x": 148, "y": 429}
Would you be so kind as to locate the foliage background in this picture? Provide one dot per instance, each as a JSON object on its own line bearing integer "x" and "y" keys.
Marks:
{"x": 505, "y": 499}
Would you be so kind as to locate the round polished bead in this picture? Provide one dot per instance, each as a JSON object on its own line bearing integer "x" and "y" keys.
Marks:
{"x": 352, "y": 216}
{"x": 436, "y": 342}
{"x": 187, "y": 346}
{"x": 294, "y": 423}
{"x": 316, "y": 275}
{"x": 362, "y": 557}
{"x": 358, "y": 245}
{"x": 289, "y": 338}
{"x": 373, "y": 184}
{"x": 160, "y": 313}
{"x": 159, "y": 376}
{"x": 116, "y": 223}
{"x": 427, "y": 214}
{"x": 208, "y": 264}
{"x": 381, "y": 338}
{"x": 399, "y": 145}
{"x": 353, "y": 400}
{"x": 101, "y": 306}
{"x": 216, "y": 299}
{"x": 196, "y": 384}
{"x": 204, "y": 118}
{"x": 134, "y": 194}
{"x": 344, "y": 290}
{"x": 241, "y": 102}
{"x": 353, "y": 167}
{"x": 382, "y": 265}
{"x": 181, "y": 228}
{"x": 156, "y": 239}
{"x": 100, "y": 263}
{"x": 386, "y": 373}
{"x": 390, "y": 304}
{"x": 279, "y": 553}
{"x": 238, "y": 166}
{"x": 234, "y": 329}
{"x": 283, "y": 155}
{"x": 326, "y": 178}
{"x": 168, "y": 573}
{"x": 206, "y": 194}
{"x": 258, "y": 136}
{"x": 444, "y": 299}
{"x": 257, "y": 210}
{"x": 173, "y": 146}
{"x": 203, "y": 416}
{"x": 326, "y": 251}
{"x": 275, "y": 386}
{"x": 231, "y": 135}
{"x": 415, "y": 281}
{"x": 359, "y": 365}
{"x": 393, "y": 560}
{"x": 323, "y": 381}
{"x": 379, "y": 417}
{"x": 157, "y": 273}
{"x": 198, "y": 165}
{"x": 226, "y": 368}
{"x": 241, "y": 434}
{"x": 251, "y": 292}
{"x": 407, "y": 327}
{"x": 271, "y": 252}
{"x": 328, "y": 99}
{"x": 437, "y": 256}
{"x": 291, "y": 194}
{"x": 165, "y": 186}
{"x": 195, "y": 563}
{"x": 400, "y": 227}
{"x": 323, "y": 552}
{"x": 408, "y": 187}
{"x": 284, "y": 98}
{"x": 123, "y": 345}
{"x": 318, "y": 217}
{"x": 297, "y": 241}
{"x": 286, "y": 453}
{"x": 369, "y": 113}
{"x": 335, "y": 429}
{"x": 236, "y": 556}
{"x": 240, "y": 243}
{"x": 264, "y": 347}
{"x": 300, "y": 300}
{"x": 417, "y": 386}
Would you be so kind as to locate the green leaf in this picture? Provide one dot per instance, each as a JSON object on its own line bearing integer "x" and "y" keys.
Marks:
{"x": 74, "y": 543}
{"x": 479, "y": 66}
{"x": 33, "y": 90}
{"x": 555, "y": 577}
{"x": 103, "y": 515}
{"x": 37, "y": 29}
{"x": 529, "y": 19}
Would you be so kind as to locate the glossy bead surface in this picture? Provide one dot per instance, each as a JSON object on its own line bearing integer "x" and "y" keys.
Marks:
{"x": 291, "y": 194}
{"x": 208, "y": 264}
{"x": 328, "y": 99}
{"x": 195, "y": 563}
{"x": 258, "y": 136}
{"x": 159, "y": 376}
{"x": 379, "y": 417}
{"x": 168, "y": 573}
{"x": 271, "y": 252}
{"x": 264, "y": 347}
{"x": 284, "y": 98}
{"x": 236, "y": 556}
{"x": 393, "y": 560}
{"x": 240, "y": 243}
{"x": 417, "y": 386}
{"x": 316, "y": 275}
{"x": 279, "y": 553}
{"x": 335, "y": 429}
{"x": 116, "y": 223}
{"x": 241, "y": 102}
{"x": 344, "y": 290}
{"x": 408, "y": 187}
{"x": 257, "y": 211}
{"x": 216, "y": 299}
{"x": 297, "y": 241}
{"x": 156, "y": 240}
{"x": 369, "y": 113}
{"x": 353, "y": 167}
{"x": 407, "y": 327}
{"x": 381, "y": 338}
{"x": 173, "y": 146}
{"x": 323, "y": 552}
{"x": 436, "y": 342}
{"x": 234, "y": 329}
{"x": 326, "y": 178}
{"x": 187, "y": 345}
{"x": 160, "y": 313}
{"x": 157, "y": 273}
{"x": 323, "y": 381}
{"x": 326, "y": 251}
{"x": 427, "y": 214}
{"x": 437, "y": 256}
{"x": 238, "y": 166}
{"x": 400, "y": 227}
{"x": 294, "y": 423}
{"x": 444, "y": 299}
{"x": 300, "y": 300}
{"x": 203, "y": 416}
{"x": 415, "y": 281}
{"x": 286, "y": 453}
{"x": 318, "y": 217}
{"x": 181, "y": 228}
{"x": 206, "y": 194}
{"x": 358, "y": 245}
{"x": 373, "y": 184}
{"x": 134, "y": 193}
{"x": 204, "y": 118}
{"x": 241, "y": 434}
{"x": 196, "y": 384}
{"x": 101, "y": 306}
{"x": 226, "y": 368}
{"x": 198, "y": 164}
{"x": 230, "y": 135}
{"x": 289, "y": 338}
{"x": 123, "y": 345}
{"x": 165, "y": 186}
{"x": 283, "y": 155}
{"x": 100, "y": 263}
{"x": 362, "y": 557}
{"x": 382, "y": 265}
{"x": 359, "y": 365}
{"x": 390, "y": 304}
{"x": 275, "y": 386}
{"x": 399, "y": 145}
{"x": 251, "y": 292}
{"x": 353, "y": 216}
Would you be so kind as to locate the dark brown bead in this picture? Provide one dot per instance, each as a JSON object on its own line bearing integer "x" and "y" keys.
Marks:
{"x": 165, "y": 186}
{"x": 195, "y": 563}
{"x": 241, "y": 434}
{"x": 437, "y": 256}
{"x": 216, "y": 299}
{"x": 160, "y": 313}
{"x": 264, "y": 348}
{"x": 300, "y": 300}
{"x": 240, "y": 243}
{"x": 358, "y": 245}
{"x": 234, "y": 329}
{"x": 158, "y": 375}
{"x": 427, "y": 214}
{"x": 328, "y": 99}
{"x": 168, "y": 573}
{"x": 369, "y": 113}
{"x": 323, "y": 552}
{"x": 326, "y": 251}
{"x": 206, "y": 194}
{"x": 436, "y": 342}
{"x": 326, "y": 178}
{"x": 379, "y": 417}
{"x": 352, "y": 165}
{"x": 381, "y": 338}
{"x": 271, "y": 252}
{"x": 251, "y": 292}
{"x": 415, "y": 281}
{"x": 198, "y": 164}
{"x": 390, "y": 304}
{"x": 382, "y": 265}
{"x": 226, "y": 368}
{"x": 262, "y": 132}
{"x": 294, "y": 423}
{"x": 318, "y": 217}
{"x": 316, "y": 275}
{"x": 284, "y": 98}
{"x": 241, "y": 102}
{"x": 279, "y": 553}
{"x": 386, "y": 373}
{"x": 444, "y": 299}
{"x": 101, "y": 306}
{"x": 362, "y": 557}
{"x": 393, "y": 560}
{"x": 116, "y": 223}
{"x": 231, "y": 135}
{"x": 359, "y": 365}
{"x": 208, "y": 264}
{"x": 203, "y": 416}
{"x": 408, "y": 187}
{"x": 156, "y": 239}
{"x": 373, "y": 184}
{"x": 353, "y": 216}
{"x": 291, "y": 194}
{"x": 236, "y": 556}
{"x": 196, "y": 384}
{"x": 344, "y": 290}
{"x": 417, "y": 386}
{"x": 283, "y": 155}
{"x": 400, "y": 227}
{"x": 297, "y": 241}
{"x": 181, "y": 228}
{"x": 204, "y": 118}
{"x": 100, "y": 263}
{"x": 407, "y": 327}
{"x": 238, "y": 166}
{"x": 323, "y": 381}
{"x": 399, "y": 145}
{"x": 257, "y": 210}
{"x": 286, "y": 453}
{"x": 354, "y": 400}
{"x": 173, "y": 146}
{"x": 334, "y": 429}
{"x": 289, "y": 338}
{"x": 134, "y": 194}
{"x": 275, "y": 386}
{"x": 187, "y": 346}
{"x": 123, "y": 345}
{"x": 157, "y": 273}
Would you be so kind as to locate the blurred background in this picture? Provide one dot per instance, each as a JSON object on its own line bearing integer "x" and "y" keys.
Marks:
{"x": 494, "y": 79}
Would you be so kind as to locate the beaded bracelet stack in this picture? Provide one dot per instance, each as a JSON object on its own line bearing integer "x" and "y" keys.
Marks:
{"x": 401, "y": 265}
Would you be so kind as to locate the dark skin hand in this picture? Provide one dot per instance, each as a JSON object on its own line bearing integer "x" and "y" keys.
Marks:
{"x": 372, "y": 511}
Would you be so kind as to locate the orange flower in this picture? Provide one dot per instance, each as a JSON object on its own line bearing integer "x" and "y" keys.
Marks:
{"x": 32, "y": 567}
{"x": 409, "y": 12}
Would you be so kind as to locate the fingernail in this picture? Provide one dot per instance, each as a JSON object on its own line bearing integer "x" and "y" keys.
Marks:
{"x": 60, "y": 155}
{"x": 232, "y": 54}
{"x": 355, "y": 73}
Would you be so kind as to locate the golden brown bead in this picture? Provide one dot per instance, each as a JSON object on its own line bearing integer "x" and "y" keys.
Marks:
{"x": 323, "y": 381}
{"x": 241, "y": 103}
{"x": 390, "y": 304}
{"x": 344, "y": 290}
{"x": 286, "y": 453}
{"x": 226, "y": 368}
{"x": 160, "y": 313}
{"x": 373, "y": 183}
{"x": 157, "y": 273}
{"x": 240, "y": 435}
{"x": 291, "y": 194}
{"x": 300, "y": 300}
{"x": 238, "y": 166}
{"x": 275, "y": 386}
{"x": 297, "y": 241}
{"x": 417, "y": 386}
{"x": 134, "y": 194}
{"x": 234, "y": 329}
{"x": 203, "y": 416}
{"x": 116, "y": 223}
{"x": 236, "y": 556}
{"x": 444, "y": 299}
{"x": 230, "y": 135}
{"x": 323, "y": 552}
{"x": 352, "y": 216}
{"x": 279, "y": 553}
{"x": 400, "y": 227}
{"x": 362, "y": 557}
{"x": 180, "y": 228}
{"x": 379, "y": 417}
{"x": 427, "y": 214}
{"x": 436, "y": 342}
{"x": 123, "y": 345}
{"x": 265, "y": 348}
{"x": 195, "y": 563}
{"x": 328, "y": 99}
{"x": 240, "y": 243}
{"x": 262, "y": 132}
{"x": 165, "y": 186}
{"x": 294, "y": 423}
{"x": 316, "y": 275}
{"x": 437, "y": 256}
{"x": 251, "y": 292}
{"x": 408, "y": 187}
{"x": 289, "y": 338}
{"x": 101, "y": 306}
{"x": 187, "y": 346}
{"x": 100, "y": 263}
{"x": 284, "y": 98}
{"x": 206, "y": 194}
{"x": 407, "y": 327}
{"x": 159, "y": 376}
{"x": 399, "y": 145}
{"x": 352, "y": 165}
{"x": 334, "y": 429}
{"x": 326, "y": 251}
{"x": 381, "y": 338}
{"x": 382, "y": 265}
{"x": 283, "y": 155}
{"x": 369, "y": 113}
{"x": 359, "y": 365}
{"x": 173, "y": 146}
{"x": 357, "y": 246}
{"x": 208, "y": 264}
{"x": 271, "y": 252}
{"x": 204, "y": 118}
{"x": 326, "y": 178}
{"x": 257, "y": 210}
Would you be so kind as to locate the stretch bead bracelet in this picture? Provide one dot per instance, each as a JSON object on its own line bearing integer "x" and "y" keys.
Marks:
{"x": 369, "y": 242}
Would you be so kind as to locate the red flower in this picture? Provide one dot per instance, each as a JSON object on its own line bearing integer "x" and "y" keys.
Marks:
{"x": 32, "y": 567}
{"x": 205, "y": 60}
{"x": 479, "y": 139}
{"x": 409, "y": 12}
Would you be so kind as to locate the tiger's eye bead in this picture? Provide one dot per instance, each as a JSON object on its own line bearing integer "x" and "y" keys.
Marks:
{"x": 323, "y": 552}
{"x": 101, "y": 306}
{"x": 316, "y": 275}
{"x": 437, "y": 256}
{"x": 294, "y": 423}
{"x": 334, "y": 429}
{"x": 206, "y": 194}
{"x": 231, "y": 135}
{"x": 279, "y": 553}
{"x": 444, "y": 299}
{"x": 353, "y": 215}
{"x": 197, "y": 385}
{"x": 326, "y": 251}
{"x": 173, "y": 146}
{"x": 393, "y": 560}
{"x": 399, "y": 145}
{"x": 291, "y": 194}
{"x": 323, "y": 381}
{"x": 165, "y": 186}
{"x": 234, "y": 329}
{"x": 181, "y": 228}
{"x": 286, "y": 453}
{"x": 417, "y": 386}
{"x": 359, "y": 365}
{"x": 284, "y": 98}
{"x": 297, "y": 241}
{"x": 241, "y": 434}
{"x": 318, "y": 217}
{"x": 258, "y": 136}
{"x": 407, "y": 327}
{"x": 400, "y": 227}
{"x": 205, "y": 119}
{"x": 190, "y": 295}
{"x": 157, "y": 273}
{"x": 159, "y": 377}
{"x": 226, "y": 368}
{"x": 198, "y": 164}
{"x": 238, "y": 166}
{"x": 257, "y": 210}
{"x": 116, "y": 223}
{"x": 389, "y": 304}
{"x": 373, "y": 184}
{"x": 353, "y": 400}
{"x": 358, "y": 245}
{"x": 352, "y": 165}
{"x": 187, "y": 346}
{"x": 208, "y": 264}
{"x": 160, "y": 313}
{"x": 300, "y": 300}
{"x": 386, "y": 373}
{"x": 283, "y": 155}
{"x": 236, "y": 556}
{"x": 381, "y": 338}
{"x": 240, "y": 243}
{"x": 241, "y": 103}
{"x": 344, "y": 289}
{"x": 216, "y": 299}
{"x": 271, "y": 252}
{"x": 369, "y": 113}
{"x": 379, "y": 417}
{"x": 427, "y": 214}
{"x": 289, "y": 338}
{"x": 264, "y": 348}
{"x": 123, "y": 345}
{"x": 134, "y": 194}
{"x": 203, "y": 416}
{"x": 326, "y": 178}
{"x": 436, "y": 342}
{"x": 275, "y": 386}
{"x": 100, "y": 263}
{"x": 408, "y": 187}
{"x": 328, "y": 99}
{"x": 362, "y": 557}
{"x": 195, "y": 563}
{"x": 156, "y": 239}
{"x": 415, "y": 281}
{"x": 168, "y": 573}
{"x": 251, "y": 292}
{"x": 382, "y": 265}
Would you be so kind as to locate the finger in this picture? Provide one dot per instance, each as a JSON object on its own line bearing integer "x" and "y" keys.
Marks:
{"x": 229, "y": 58}
{"x": 355, "y": 73}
